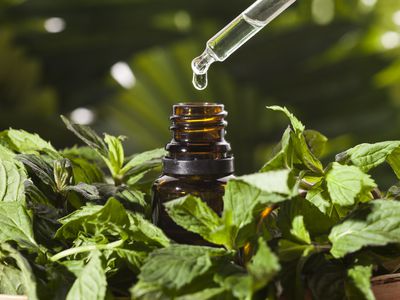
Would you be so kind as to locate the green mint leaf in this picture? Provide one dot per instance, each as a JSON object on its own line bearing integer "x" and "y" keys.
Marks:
{"x": 368, "y": 156}
{"x": 178, "y": 265}
{"x": 10, "y": 280}
{"x": 143, "y": 161}
{"x": 15, "y": 224}
{"x": 314, "y": 220}
{"x": 345, "y": 183}
{"x": 12, "y": 178}
{"x": 206, "y": 294}
{"x": 39, "y": 167}
{"x": 27, "y": 278}
{"x": 116, "y": 156}
{"x": 88, "y": 136}
{"x": 319, "y": 197}
{"x": 62, "y": 170}
{"x": 196, "y": 216}
{"x": 296, "y": 124}
{"x": 143, "y": 230}
{"x": 393, "y": 160}
{"x": 133, "y": 258}
{"x": 6, "y": 154}
{"x": 277, "y": 182}
{"x": 289, "y": 250}
{"x": 263, "y": 266}
{"x": 147, "y": 291}
{"x": 29, "y": 143}
{"x": 93, "y": 219}
{"x": 358, "y": 283}
{"x": 85, "y": 171}
{"x": 91, "y": 283}
{"x": 236, "y": 280}
{"x": 283, "y": 156}
{"x": 375, "y": 224}
{"x": 299, "y": 230}
{"x": 393, "y": 193}
{"x": 316, "y": 141}
{"x": 88, "y": 191}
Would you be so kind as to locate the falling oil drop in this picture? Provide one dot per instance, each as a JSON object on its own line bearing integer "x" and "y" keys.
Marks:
{"x": 200, "y": 81}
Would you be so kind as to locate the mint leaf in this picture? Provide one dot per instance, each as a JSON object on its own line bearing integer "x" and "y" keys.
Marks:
{"x": 316, "y": 141}
{"x": 62, "y": 171}
{"x": 375, "y": 224}
{"x": 15, "y": 224}
{"x": 88, "y": 191}
{"x": 178, "y": 265}
{"x": 195, "y": 215}
{"x": 289, "y": 250}
{"x": 116, "y": 156}
{"x": 263, "y": 266}
{"x": 206, "y": 294}
{"x": 345, "y": 183}
{"x": 299, "y": 143}
{"x": 93, "y": 219}
{"x": 26, "y": 278}
{"x": 299, "y": 230}
{"x": 368, "y": 156}
{"x": 29, "y": 143}
{"x": 10, "y": 280}
{"x": 5, "y": 153}
{"x": 393, "y": 160}
{"x": 88, "y": 136}
{"x": 143, "y": 161}
{"x": 358, "y": 283}
{"x": 12, "y": 178}
{"x": 296, "y": 124}
{"x": 39, "y": 167}
{"x": 283, "y": 156}
{"x": 91, "y": 282}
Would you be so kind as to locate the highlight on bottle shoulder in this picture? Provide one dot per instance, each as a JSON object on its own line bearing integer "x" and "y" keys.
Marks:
{"x": 234, "y": 35}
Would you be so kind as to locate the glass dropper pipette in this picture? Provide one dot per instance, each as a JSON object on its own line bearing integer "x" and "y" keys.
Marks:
{"x": 234, "y": 35}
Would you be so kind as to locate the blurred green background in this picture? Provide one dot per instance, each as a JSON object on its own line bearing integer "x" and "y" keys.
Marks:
{"x": 119, "y": 65}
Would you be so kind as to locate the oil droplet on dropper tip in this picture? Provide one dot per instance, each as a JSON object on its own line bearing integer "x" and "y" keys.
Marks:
{"x": 200, "y": 81}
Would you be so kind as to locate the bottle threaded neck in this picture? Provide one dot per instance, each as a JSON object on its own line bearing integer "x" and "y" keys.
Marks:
{"x": 198, "y": 134}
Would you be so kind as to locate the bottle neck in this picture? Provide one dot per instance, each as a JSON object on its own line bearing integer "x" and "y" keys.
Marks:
{"x": 198, "y": 144}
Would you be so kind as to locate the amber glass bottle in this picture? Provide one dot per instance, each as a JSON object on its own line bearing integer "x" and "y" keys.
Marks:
{"x": 199, "y": 162}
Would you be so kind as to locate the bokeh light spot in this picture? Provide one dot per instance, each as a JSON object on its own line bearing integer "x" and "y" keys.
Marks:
{"x": 123, "y": 74}
{"x": 54, "y": 25}
{"x": 390, "y": 40}
{"x": 82, "y": 115}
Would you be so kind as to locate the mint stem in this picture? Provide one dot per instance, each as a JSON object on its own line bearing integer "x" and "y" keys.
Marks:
{"x": 86, "y": 248}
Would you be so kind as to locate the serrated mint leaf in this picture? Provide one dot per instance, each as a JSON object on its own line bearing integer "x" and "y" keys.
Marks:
{"x": 15, "y": 224}
{"x": 39, "y": 167}
{"x": 193, "y": 214}
{"x": 263, "y": 266}
{"x": 316, "y": 141}
{"x": 319, "y": 197}
{"x": 296, "y": 124}
{"x": 91, "y": 283}
{"x": 147, "y": 291}
{"x": 345, "y": 183}
{"x": 88, "y": 136}
{"x": 116, "y": 156}
{"x": 93, "y": 219}
{"x": 62, "y": 170}
{"x": 143, "y": 161}
{"x": 278, "y": 181}
{"x": 393, "y": 160}
{"x": 6, "y": 154}
{"x": 133, "y": 258}
{"x": 283, "y": 156}
{"x": 375, "y": 224}
{"x": 87, "y": 191}
{"x": 143, "y": 230}
{"x": 299, "y": 230}
{"x": 178, "y": 265}
{"x": 12, "y": 178}
{"x": 29, "y": 143}
{"x": 358, "y": 283}
{"x": 10, "y": 280}
{"x": 304, "y": 154}
{"x": 26, "y": 278}
{"x": 368, "y": 156}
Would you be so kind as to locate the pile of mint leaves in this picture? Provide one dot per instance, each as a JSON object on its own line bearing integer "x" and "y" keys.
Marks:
{"x": 75, "y": 223}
